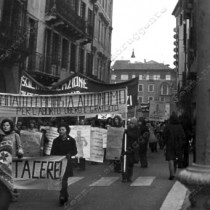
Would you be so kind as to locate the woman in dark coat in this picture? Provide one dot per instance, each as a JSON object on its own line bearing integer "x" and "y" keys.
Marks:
{"x": 64, "y": 145}
{"x": 132, "y": 138}
{"x": 143, "y": 142}
{"x": 117, "y": 122}
{"x": 173, "y": 140}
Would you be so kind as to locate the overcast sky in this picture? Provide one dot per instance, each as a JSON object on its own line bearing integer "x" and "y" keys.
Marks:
{"x": 145, "y": 26}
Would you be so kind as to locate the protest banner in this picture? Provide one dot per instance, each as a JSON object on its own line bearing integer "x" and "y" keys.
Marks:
{"x": 79, "y": 83}
{"x": 96, "y": 149}
{"x": 81, "y": 134}
{"x": 114, "y": 142}
{"x": 14, "y": 105}
{"x": 39, "y": 172}
{"x": 159, "y": 111}
{"x": 31, "y": 143}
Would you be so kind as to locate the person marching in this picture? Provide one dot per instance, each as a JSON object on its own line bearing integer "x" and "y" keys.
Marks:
{"x": 143, "y": 142}
{"x": 64, "y": 145}
{"x": 131, "y": 144}
{"x": 10, "y": 146}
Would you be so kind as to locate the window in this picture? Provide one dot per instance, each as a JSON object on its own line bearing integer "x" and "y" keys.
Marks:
{"x": 164, "y": 89}
{"x": 113, "y": 76}
{"x": 168, "y": 77}
{"x": 156, "y": 77}
{"x": 65, "y": 54}
{"x": 151, "y": 88}
{"x": 124, "y": 77}
{"x": 150, "y": 98}
{"x": 140, "y": 100}
{"x": 151, "y": 77}
{"x": 147, "y": 77}
{"x": 133, "y": 76}
{"x": 140, "y": 77}
{"x": 141, "y": 88}
{"x": 162, "y": 99}
{"x": 83, "y": 10}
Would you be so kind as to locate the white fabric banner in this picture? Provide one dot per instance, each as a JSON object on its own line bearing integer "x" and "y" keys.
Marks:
{"x": 39, "y": 172}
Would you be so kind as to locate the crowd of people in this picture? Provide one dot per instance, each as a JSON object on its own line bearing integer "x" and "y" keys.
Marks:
{"x": 171, "y": 136}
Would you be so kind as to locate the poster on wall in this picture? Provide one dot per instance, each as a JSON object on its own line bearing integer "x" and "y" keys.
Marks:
{"x": 81, "y": 134}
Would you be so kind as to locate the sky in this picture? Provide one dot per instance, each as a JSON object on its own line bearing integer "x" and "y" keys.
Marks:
{"x": 145, "y": 26}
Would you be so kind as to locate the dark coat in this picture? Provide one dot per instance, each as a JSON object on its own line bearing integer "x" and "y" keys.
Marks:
{"x": 173, "y": 140}
{"x": 62, "y": 148}
{"x": 132, "y": 144}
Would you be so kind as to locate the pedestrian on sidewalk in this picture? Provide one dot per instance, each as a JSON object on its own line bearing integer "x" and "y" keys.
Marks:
{"x": 173, "y": 140}
{"x": 64, "y": 145}
{"x": 143, "y": 142}
{"x": 132, "y": 138}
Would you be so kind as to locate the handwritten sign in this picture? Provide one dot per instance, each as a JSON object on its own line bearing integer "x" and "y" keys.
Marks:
{"x": 31, "y": 142}
{"x": 39, "y": 172}
{"x": 81, "y": 134}
{"x": 14, "y": 105}
{"x": 159, "y": 111}
{"x": 114, "y": 142}
{"x": 97, "y": 151}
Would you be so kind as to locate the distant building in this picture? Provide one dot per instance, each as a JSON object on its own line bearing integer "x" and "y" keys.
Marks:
{"x": 51, "y": 39}
{"x": 156, "y": 80}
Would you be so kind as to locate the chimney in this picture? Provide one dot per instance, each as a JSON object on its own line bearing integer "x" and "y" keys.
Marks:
{"x": 145, "y": 60}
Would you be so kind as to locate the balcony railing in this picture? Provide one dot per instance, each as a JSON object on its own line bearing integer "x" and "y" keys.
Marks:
{"x": 45, "y": 65}
{"x": 63, "y": 10}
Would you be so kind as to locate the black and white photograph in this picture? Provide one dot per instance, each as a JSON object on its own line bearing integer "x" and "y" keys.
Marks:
{"x": 104, "y": 104}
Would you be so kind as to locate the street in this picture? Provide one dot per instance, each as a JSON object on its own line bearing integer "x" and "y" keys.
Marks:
{"x": 99, "y": 188}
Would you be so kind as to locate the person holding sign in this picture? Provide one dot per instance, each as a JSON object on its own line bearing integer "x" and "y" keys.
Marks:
{"x": 132, "y": 137}
{"x": 64, "y": 144}
{"x": 10, "y": 146}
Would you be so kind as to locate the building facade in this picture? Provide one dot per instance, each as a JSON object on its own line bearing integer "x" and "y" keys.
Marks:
{"x": 60, "y": 37}
{"x": 185, "y": 56}
{"x": 157, "y": 81}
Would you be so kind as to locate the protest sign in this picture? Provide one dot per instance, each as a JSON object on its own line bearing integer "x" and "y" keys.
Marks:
{"x": 31, "y": 143}
{"x": 51, "y": 134}
{"x": 79, "y": 83}
{"x": 104, "y": 134}
{"x": 14, "y": 105}
{"x": 96, "y": 149}
{"x": 114, "y": 142}
{"x": 39, "y": 172}
{"x": 81, "y": 134}
{"x": 159, "y": 111}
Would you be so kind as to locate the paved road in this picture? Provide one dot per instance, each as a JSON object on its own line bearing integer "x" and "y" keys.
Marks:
{"x": 99, "y": 188}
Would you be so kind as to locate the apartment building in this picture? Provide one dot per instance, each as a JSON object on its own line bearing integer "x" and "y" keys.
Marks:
{"x": 157, "y": 81}
{"x": 60, "y": 37}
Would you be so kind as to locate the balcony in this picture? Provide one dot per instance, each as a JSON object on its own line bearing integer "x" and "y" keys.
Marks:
{"x": 44, "y": 69}
{"x": 13, "y": 43}
{"x": 63, "y": 16}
